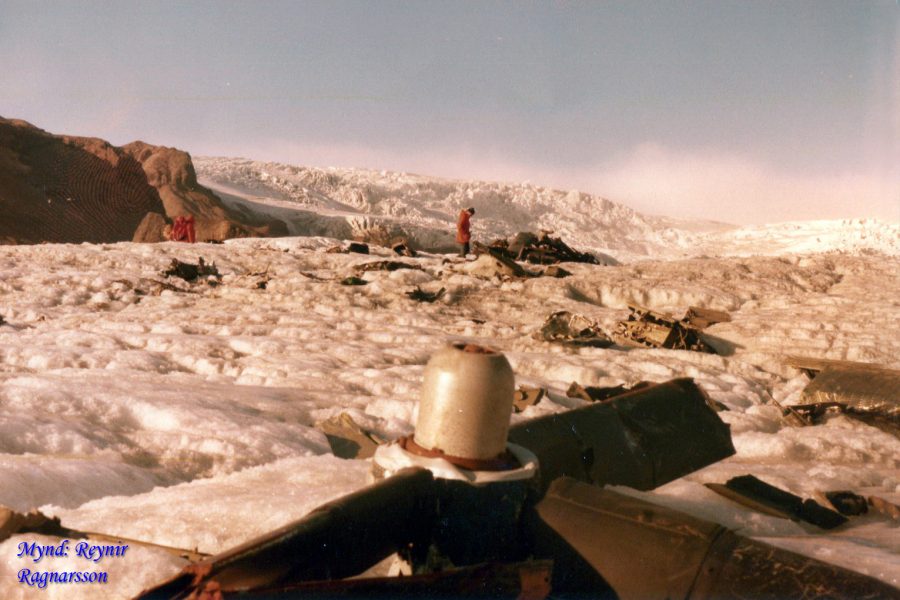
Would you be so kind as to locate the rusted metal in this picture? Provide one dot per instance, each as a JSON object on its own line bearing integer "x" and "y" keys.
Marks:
{"x": 642, "y": 439}
{"x": 353, "y": 280}
{"x": 537, "y": 248}
{"x": 701, "y": 318}
{"x": 884, "y": 507}
{"x": 754, "y": 493}
{"x": 386, "y": 265}
{"x": 502, "y": 462}
{"x": 572, "y": 329}
{"x": 601, "y": 394}
{"x": 336, "y": 540}
{"x": 556, "y": 271}
{"x": 643, "y": 551}
{"x": 522, "y": 581}
{"x": 659, "y": 330}
{"x": 347, "y": 439}
{"x": 403, "y": 248}
{"x": 526, "y": 396}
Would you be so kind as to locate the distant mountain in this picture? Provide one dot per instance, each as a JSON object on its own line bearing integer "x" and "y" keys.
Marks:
{"x": 57, "y": 188}
{"x": 348, "y": 203}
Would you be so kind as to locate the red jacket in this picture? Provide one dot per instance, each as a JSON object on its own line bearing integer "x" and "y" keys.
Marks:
{"x": 462, "y": 227}
{"x": 183, "y": 229}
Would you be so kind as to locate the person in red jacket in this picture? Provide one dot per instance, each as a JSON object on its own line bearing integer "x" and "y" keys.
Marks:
{"x": 463, "y": 235}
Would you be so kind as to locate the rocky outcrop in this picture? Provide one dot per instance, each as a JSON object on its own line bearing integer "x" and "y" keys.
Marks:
{"x": 171, "y": 172}
{"x": 56, "y": 188}
{"x": 68, "y": 189}
{"x": 152, "y": 229}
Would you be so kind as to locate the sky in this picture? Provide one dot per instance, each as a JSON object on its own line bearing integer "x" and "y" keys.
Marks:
{"x": 744, "y": 112}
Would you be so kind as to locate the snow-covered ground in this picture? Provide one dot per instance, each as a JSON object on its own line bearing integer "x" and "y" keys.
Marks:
{"x": 186, "y": 418}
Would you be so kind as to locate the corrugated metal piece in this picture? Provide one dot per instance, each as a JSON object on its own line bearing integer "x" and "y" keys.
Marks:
{"x": 861, "y": 387}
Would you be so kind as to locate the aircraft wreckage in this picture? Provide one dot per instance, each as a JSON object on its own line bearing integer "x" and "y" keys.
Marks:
{"x": 476, "y": 508}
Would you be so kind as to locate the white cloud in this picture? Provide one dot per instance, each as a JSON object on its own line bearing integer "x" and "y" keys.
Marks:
{"x": 740, "y": 190}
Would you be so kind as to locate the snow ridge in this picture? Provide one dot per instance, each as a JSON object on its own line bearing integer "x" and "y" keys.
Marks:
{"x": 347, "y": 202}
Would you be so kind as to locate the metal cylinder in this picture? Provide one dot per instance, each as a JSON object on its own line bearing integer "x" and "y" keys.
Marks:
{"x": 466, "y": 402}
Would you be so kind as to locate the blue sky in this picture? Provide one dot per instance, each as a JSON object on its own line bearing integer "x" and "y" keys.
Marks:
{"x": 745, "y": 112}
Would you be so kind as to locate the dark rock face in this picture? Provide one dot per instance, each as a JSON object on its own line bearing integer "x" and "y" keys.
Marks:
{"x": 68, "y": 189}
{"x": 75, "y": 189}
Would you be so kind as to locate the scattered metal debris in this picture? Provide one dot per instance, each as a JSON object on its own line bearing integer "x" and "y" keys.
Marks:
{"x": 421, "y": 295}
{"x": 191, "y": 272}
{"x": 403, "y": 248}
{"x": 659, "y": 330}
{"x": 347, "y": 439}
{"x": 535, "y": 248}
{"x": 701, "y": 318}
{"x": 263, "y": 276}
{"x": 556, "y": 271}
{"x": 544, "y": 250}
{"x": 602, "y": 544}
{"x": 386, "y": 265}
{"x": 527, "y": 396}
{"x": 573, "y": 330}
{"x": 602, "y": 394}
{"x": 353, "y": 280}
{"x": 791, "y": 416}
{"x": 760, "y": 496}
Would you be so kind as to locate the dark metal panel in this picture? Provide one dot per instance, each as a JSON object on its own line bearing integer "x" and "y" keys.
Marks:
{"x": 338, "y": 539}
{"x": 645, "y": 551}
{"x": 642, "y": 439}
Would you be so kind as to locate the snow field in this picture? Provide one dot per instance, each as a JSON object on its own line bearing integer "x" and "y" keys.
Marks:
{"x": 186, "y": 418}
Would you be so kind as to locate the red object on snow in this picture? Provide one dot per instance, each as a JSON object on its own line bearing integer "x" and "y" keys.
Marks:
{"x": 183, "y": 229}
